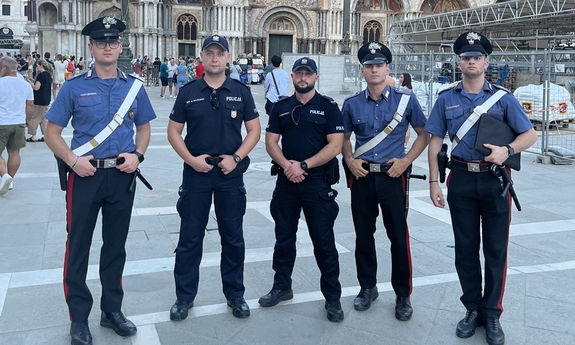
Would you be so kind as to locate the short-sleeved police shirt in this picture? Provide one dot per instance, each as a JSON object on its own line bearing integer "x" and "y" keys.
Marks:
{"x": 91, "y": 102}
{"x": 304, "y": 127}
{"x": 453, "y": 107}
{"x": 214, "y": 131}
{"x": 367, "y": 118}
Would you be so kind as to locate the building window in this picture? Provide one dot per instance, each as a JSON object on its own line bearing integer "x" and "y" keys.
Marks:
{"x": 281, "y": 25}
{"x": 187, "y": 27}
{"x": 5, "y": 10}
{"x": 371, "y": 32}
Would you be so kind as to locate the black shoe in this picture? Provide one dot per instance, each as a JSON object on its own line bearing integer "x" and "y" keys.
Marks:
{"x": 80, "y": 333}
{"x": 240, "y": 308}
{"x": 275, "y": 296}
{"x": 403, "y": 308}
{"x": 118, "y": 322}
{"x": 493, "y": 332}
{"x": 334, "y": 311}
{"x": 364, "y": 298}
{"x": 466, "y": 327}
{"x": 179, "y": 310}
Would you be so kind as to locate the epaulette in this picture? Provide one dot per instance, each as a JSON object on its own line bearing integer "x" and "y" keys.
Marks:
{"x": 329, "y": 99}
{"x": 282, "y": 98}
{"x": 239, "y": 81}
{"x": 76, "y": 76}
{"x": 352, "y": 96}
{"x": 501, "y": 88}
{"x": 402, "y": 90}
{"x": 188, "y": 83}
{"x": 136, "y": 77}
{"x": 451, "y": 86}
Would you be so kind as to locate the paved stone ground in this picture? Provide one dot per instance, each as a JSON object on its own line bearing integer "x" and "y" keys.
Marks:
{"x": 539, "y": 299}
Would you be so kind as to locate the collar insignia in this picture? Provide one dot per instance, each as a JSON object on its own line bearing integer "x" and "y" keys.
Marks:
{"x": 373, "y": 46}
{"x": 108, "y": 21}
{"x": 472, "y": 37}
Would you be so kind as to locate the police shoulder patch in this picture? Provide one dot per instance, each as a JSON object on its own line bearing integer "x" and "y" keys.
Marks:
{"x": 501, "y": 88}
{"x": 449, "y": 87}
{"x": 329, "y": 99}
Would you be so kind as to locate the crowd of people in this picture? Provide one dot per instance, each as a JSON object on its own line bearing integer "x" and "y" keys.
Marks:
{"x": 305, "y": 133}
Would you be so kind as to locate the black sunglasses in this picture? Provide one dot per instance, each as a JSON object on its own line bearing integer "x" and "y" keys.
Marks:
{"x": 215, "y": 99}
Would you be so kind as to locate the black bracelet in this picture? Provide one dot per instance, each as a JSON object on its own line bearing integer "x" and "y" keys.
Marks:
{"x": 430, "y": 181}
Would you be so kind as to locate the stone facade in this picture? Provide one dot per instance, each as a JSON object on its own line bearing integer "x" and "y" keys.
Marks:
{"x": 176, "y": 28}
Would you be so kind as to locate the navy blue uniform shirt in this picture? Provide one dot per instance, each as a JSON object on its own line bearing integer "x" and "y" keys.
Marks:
{"x": 367, "y": 118}
{"x": 214, "y": 131}
{"x": 304, "y": 127}
{"x": 91, "y": 102}
{"x": 453, "y": 107}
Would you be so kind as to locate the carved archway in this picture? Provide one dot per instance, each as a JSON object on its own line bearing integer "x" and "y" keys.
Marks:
{"x": 47, "y": 14}
{"x": 441, "y": 6}
{"x": 371, "y": 5}
{"x": 372, "y": 31}
{"x": 111, "y": 12}
{"x": 303, "y": 24}
{"x": 187, "y": 27}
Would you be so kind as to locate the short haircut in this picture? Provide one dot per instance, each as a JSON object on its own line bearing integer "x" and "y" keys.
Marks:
{"x": 276, "y": 61}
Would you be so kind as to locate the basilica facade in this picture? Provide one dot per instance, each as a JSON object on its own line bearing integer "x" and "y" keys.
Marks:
{"x": 177, "y": 28}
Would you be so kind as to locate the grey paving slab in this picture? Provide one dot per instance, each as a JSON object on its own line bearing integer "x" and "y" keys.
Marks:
{"x": 539, "y": 307}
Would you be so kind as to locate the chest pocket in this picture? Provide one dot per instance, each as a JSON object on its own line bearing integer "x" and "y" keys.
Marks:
{"x": 85, "y": 107}
{"x": 359, "y": 123}
{"x": 315, "y": 125}
{"x": 234, "y": 112}
{"x": 454, "y": 119}
{"x": 89, "y": 101}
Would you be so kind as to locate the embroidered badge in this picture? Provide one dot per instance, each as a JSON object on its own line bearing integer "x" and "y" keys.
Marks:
{"x": 108, "y": 21}
{"x": 131, "y": 114}
{"x": 373, "y": 46}
{"x": 234, "y": 114}
{"x": 472, "y": 37}
{"x": 304, "y": 61}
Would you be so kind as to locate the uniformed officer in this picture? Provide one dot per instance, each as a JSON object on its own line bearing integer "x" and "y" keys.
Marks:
{"x": 213, "y": 108}
{"x": 473, "y": 194}
{"x": 377, "y": 175}
{"x": 311, "y": 131}
{"x": 100, "y": 179}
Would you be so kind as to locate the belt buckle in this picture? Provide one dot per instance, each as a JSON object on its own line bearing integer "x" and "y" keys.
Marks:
{"x": 374, "y": 167}
{"x": 473, "y": 167}
{"x": 109, "y": 163}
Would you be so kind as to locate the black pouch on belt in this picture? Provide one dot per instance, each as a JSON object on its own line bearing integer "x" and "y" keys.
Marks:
{"x": 63, "y": 170}
{"x": 331, "y": 173}
{"x": 241, "y": 168}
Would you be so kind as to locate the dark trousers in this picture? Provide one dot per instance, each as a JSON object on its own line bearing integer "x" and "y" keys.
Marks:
{"x": 474, "y": 199}
{"x": 317, "y": 200}
{"x": 107, "y": 191}
{"x": 367, "y": 193}
{"x": 193, "y": 207}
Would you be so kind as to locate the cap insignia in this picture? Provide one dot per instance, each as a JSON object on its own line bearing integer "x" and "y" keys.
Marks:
{"x": 304, "y": 61}
{"x": 215, "y": 38}
{"x": 373, "y": 46}
{"x": 108, "y": 21}
{"x": 472, "y": 37}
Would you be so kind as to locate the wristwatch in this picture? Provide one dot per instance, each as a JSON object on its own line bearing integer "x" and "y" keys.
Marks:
{"x": 303, "y": 165}
{"x": 236, "y": 158}
{"x": 140, "y": 156}
{"x": 510, "y": 150}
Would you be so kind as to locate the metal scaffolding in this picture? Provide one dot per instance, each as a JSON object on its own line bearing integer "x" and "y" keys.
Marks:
{"x": 516, "y": 25}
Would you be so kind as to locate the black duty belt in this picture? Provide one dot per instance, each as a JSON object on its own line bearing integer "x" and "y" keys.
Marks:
{"x": 376, "y": 167}
{"x": 213, "y": 160}
{"x": 471, "y": 166}
{"x": 107, "y": 163}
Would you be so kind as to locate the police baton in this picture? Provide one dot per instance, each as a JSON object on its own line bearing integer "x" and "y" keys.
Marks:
{"x": 409, "y": 175}
{"x": 142, "y": 178}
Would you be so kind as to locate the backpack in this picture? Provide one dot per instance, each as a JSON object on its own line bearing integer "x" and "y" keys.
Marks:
{"x": 70, "y": 67}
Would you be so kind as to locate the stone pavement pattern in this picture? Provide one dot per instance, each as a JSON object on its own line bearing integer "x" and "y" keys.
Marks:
{"x": 539, "y": 299}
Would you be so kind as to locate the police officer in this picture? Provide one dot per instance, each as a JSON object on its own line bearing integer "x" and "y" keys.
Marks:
{"x": 311, "y": 130}
{"x": 102, "y": 178}
{"x": 213, "y": 108}
{"x": 473, "y": 191}
{"x": 376, "y": 176}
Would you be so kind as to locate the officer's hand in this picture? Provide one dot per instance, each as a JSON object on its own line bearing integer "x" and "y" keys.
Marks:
{"x": 294, "y": 172}
{"x": 84, "y": 168}
{"x": 356, "y": 168}
{"x": 436, "y": 194}
{"x": 398, "y": 167}
{"x": 199, "y": 164}
{"x": 498, "y": 155}
{"x": 131, "y": 162}
{"x": 228, "y": 164}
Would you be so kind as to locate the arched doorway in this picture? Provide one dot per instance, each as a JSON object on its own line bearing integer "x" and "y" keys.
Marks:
{"x": 187, "y": 28}
{"x": 281, "y": 33}
{"x": 436, "y": 6}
